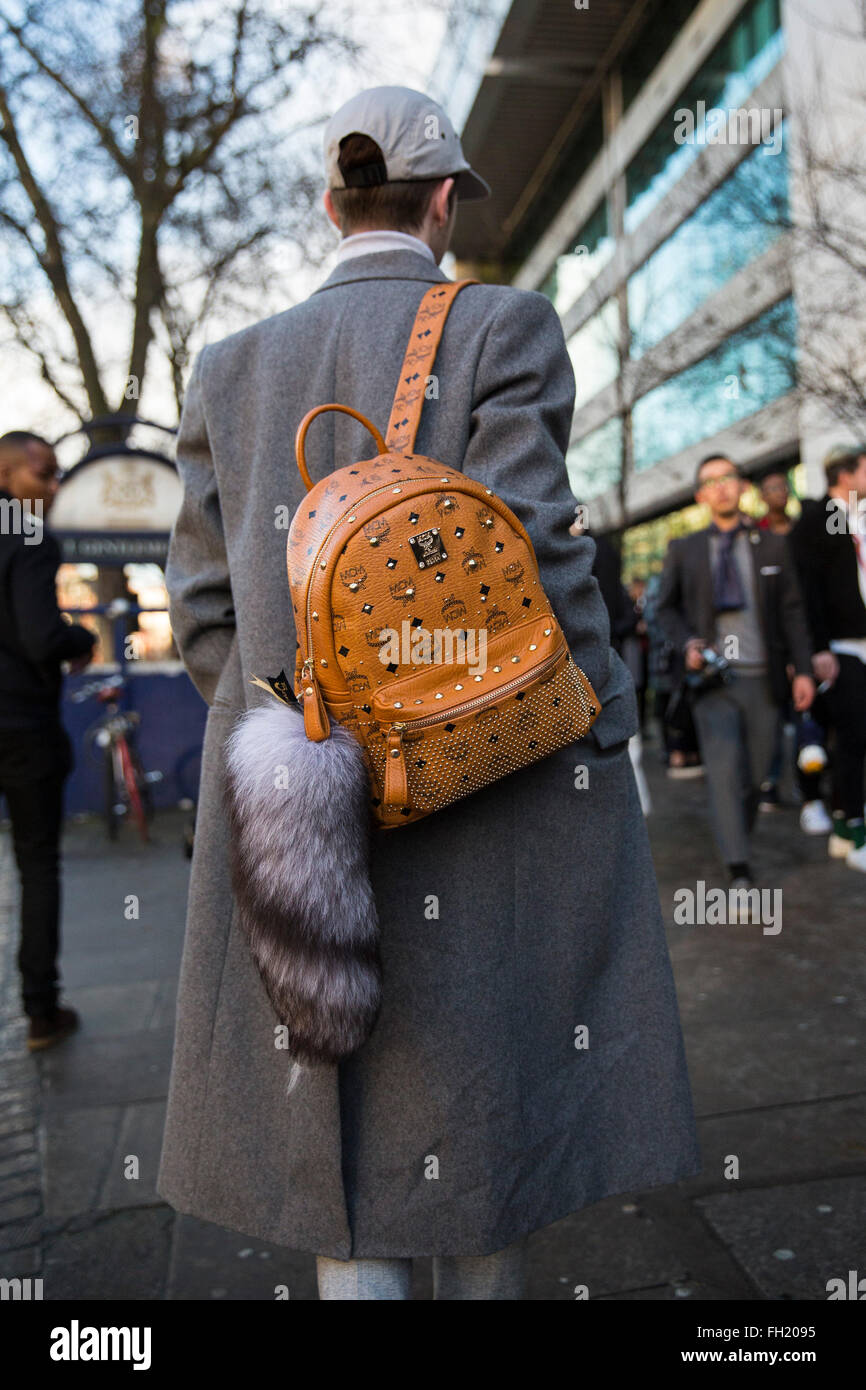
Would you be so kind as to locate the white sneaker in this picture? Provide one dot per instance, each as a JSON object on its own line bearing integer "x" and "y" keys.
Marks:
{"x": 856, "y": 859}
{"x": 814, "y": 819}
{"x": 838, "y": 847}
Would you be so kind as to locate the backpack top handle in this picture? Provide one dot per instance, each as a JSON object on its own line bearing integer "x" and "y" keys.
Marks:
{"x": 308, "y": 420}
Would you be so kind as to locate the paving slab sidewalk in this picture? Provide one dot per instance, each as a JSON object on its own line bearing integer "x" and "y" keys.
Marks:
{"x": 775, "y": 1035}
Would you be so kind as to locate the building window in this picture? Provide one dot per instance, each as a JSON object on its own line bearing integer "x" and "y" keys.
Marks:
{"x": 752, "y": 368}
{"x": 750, "y": 49}
{"x": 578, "y": 267}
{"x": 581, "y": 148}
{"x": 736, "y": 225}
{"x": 654, "y": 40}
{"x": 594, "y": 354}
{"x": 594, "y": 463}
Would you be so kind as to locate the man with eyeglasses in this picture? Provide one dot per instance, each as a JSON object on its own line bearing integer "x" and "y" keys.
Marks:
{"x": 731, "y": 591}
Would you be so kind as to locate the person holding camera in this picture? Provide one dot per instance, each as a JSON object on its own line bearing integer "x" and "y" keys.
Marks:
{"x": 731, "y": 603}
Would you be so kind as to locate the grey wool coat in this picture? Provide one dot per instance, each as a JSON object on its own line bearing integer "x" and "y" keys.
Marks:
{"x": 528, "y": 1059}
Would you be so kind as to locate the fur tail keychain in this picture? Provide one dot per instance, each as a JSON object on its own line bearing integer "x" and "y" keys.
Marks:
{"x": 300, "y": 825}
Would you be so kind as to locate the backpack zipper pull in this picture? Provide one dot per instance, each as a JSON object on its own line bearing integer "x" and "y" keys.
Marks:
{"x": 317, "y": 726}
{"x": 396, "y": 780}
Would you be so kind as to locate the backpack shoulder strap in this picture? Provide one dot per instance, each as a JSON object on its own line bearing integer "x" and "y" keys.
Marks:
{"x": 419, "y": 359}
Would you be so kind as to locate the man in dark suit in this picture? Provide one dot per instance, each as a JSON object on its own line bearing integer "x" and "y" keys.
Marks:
{"x": 35, "y": 752}
{"x": 732, "y": 588}
{"x": 829, "y": 548}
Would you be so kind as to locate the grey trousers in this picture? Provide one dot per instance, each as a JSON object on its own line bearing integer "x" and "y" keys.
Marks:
{"x": 737, "y": 726}
{"x": 455, "y": 1277}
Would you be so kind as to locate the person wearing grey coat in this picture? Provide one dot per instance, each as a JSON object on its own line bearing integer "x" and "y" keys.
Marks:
{"x": 528, "y": 1059}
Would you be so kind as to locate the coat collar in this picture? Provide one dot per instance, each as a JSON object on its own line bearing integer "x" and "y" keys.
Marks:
{"x": 385, "y": 265}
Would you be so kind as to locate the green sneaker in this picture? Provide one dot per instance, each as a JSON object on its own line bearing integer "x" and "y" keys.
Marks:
{"x": 841, "y": 841}
{"x": 856, "y": 831}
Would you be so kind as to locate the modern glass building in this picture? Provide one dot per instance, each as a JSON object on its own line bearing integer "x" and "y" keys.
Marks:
{"x": 640, "y": 155}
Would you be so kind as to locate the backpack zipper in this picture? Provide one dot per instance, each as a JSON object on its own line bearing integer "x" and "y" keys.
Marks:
{"x": 396, "y": 776}
{"x": 498, "y": 693}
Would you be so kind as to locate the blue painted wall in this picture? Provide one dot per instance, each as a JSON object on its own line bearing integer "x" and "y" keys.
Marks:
{"x": 169, "y": 737}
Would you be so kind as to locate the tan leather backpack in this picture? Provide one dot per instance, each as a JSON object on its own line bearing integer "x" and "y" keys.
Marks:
{"x": 422, "y": 624}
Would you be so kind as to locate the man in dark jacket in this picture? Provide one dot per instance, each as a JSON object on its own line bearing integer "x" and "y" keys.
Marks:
{"x": 733, "y": 588}
{"x": 829, "y": 548}
{"x": 35, "y": 751}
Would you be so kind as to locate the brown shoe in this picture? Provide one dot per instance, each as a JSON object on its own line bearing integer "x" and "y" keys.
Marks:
{"x": 46, "y": 1031}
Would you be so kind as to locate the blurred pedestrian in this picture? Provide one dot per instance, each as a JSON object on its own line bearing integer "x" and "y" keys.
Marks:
{"x": 731, "y": 602}
{"x": 607, "y": 570}
{"x": 775, "y": 493}
{"x": 672, "y": 714}
{"x": 829, "y": 547}
{"x": 35, "y": 749}
{"x": 635, "y": 645}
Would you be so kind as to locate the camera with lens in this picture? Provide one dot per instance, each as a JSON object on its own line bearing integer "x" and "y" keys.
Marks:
{"x": 715, "y": 672}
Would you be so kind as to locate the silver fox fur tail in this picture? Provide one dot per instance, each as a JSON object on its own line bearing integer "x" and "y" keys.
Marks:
{"x": 300, "y": 826}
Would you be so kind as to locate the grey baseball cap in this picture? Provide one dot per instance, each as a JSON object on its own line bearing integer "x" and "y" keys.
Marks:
{"x": 415, "y": 136}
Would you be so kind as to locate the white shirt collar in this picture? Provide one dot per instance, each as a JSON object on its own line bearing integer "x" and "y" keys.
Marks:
{"x": 383, "y": 239}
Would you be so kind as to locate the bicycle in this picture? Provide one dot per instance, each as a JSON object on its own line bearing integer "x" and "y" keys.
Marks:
{"x": 126, "y": 784}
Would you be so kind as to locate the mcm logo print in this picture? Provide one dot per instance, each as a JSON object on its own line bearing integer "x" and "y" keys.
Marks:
{"x": 473, "y": 561}
{"x": 453, "y": 609}
{"x": 338, "y": 622}
{"x": 417, "y": 354}
{"x": 430, "y": 313}
{"x": 354, "y": 578}
{"x": 513, "y": 573}
{"x": 374, "y": 637}
{"x": 357, "y": 682}
{"x": 403, "y": 591}
{"x": 456, "y": 752}
{"x": 497, "y": 619}
{"x": 485, "y": 516}
{"x": 407, "y": 397}
{"x": 379, "y": 529}
{"x": 487, "y": 716}
{"x": 447, "y": 503}
{"x": 528, "y": 715}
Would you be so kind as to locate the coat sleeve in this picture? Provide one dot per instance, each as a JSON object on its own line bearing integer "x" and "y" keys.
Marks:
{"x": 201, "y": 607}
{"x": 809, "y": 559}
{"x": 797, "y": 634}
{"x": 669, "y": 610}
{"x": 523, "y": 401}
{"x": 44, "y": 635}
